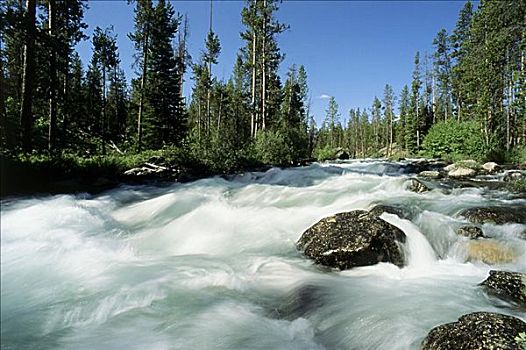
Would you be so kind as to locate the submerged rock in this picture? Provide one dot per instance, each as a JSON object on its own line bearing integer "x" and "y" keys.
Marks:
{"x": 514, "y": 175}
{"x": 431, "y": 174}
{"x": 300, "y": 302}
{"x": 478, "y": 330}
{"x": 472, "y": 232}
{"x": 417, "y": 186}
{"x": 506, "y": 285}
{"x": 350, "y": 239}
{"x": 490, "y": 251}
{"x": 495, "y": 215}
{"x": 379, "y": 209}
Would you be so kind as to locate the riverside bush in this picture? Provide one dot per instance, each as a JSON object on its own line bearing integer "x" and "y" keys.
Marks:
{"x": 455, "y": 140}
{"x": 271, "y": 147}
{"x": 325, "y": 153}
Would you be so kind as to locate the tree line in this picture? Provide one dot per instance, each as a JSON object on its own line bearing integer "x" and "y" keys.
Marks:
{"x": 475, "y": 80}
{"x": 51, "y": 103}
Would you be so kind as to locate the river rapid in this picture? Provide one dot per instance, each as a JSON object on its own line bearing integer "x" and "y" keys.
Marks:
{"x": 212, "y": 264}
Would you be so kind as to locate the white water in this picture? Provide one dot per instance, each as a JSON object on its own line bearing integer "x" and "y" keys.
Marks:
{"x": 213, "y": 265}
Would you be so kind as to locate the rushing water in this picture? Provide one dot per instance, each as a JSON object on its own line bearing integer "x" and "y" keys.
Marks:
{"x": 212, "y": 264}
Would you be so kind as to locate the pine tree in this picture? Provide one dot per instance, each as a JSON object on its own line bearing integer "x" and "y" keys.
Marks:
{"x": 141, "y": 40}
{"x": 413, "y": 120}
{"x": 491, "y": 52}
{"x": 167, "y": 119}
{"x": 12, "y": 32}
{"x": 442, "y": 74}
{"x": 404, "y": 109}
{"x": 26, "y": 113}
{"x": 376, "y": 112}
{"x": 388, "y": 102}
{"x": 332, "y": 120}
{"x": 93, "y": 98}
{"x": 106, "y": 57}
{"x": 459, "y": 39}
{"x": 262, "y": 54}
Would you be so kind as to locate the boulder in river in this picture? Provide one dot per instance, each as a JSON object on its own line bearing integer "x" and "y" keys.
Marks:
{"x": 490, "y": 167}
{"x": 464, "y": 169}
{"x": 350, "y": 239}
{"x": 507, "y": 285}
{"x": 461, "y": 172}
{"x": 490, "y": 251}
{"x": 514, "y": 175}
{"x": 472, "y": 232}
{"x": 379, "y": 209}
{"x": 478, "y": 330}
{"x": 341, "y": 154}
{"x": 495, "y": 215}
{"x": 430, "y": 174}
{"x": 417, "y": 186}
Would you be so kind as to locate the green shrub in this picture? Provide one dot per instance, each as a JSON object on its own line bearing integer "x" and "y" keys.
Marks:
{"x": 517, "y": 155}
{"x": 455, "y": 141}
{"x": 325, "y": 153}
{"x": 271, "y": 147}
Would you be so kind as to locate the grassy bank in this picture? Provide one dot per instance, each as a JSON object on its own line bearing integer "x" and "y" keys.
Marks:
{"x": 67, "y": 173}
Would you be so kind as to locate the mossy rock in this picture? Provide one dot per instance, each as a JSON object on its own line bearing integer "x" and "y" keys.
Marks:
{"x": 495, "y": 215}
{"x": 477, "y": 331}
{"x": 510, "y": 286}
{"x": 350, "y": 239}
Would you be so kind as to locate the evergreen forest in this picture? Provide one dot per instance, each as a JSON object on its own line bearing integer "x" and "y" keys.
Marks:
{"x": 467, "y": 99}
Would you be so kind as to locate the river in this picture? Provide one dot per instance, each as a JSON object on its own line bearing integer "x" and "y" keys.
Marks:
{"x": 212, "y": 264}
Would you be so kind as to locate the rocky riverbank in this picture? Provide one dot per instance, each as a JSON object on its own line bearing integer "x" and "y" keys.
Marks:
{"x": 358, "y": 238}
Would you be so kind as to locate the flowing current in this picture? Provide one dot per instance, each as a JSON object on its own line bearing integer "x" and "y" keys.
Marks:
{"x": 212, "y": 264}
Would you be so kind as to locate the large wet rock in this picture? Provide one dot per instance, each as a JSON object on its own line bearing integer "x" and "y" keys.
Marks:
{"x": 464, "y": 169}
{"x": 462, "y": 172}
{"x": 472, "y": 232}
{"x": 490, "y": 251}
{"x": 342, "y": 154}
{"x": 477, "y": 331}
{"x": 495, "y": 215}
{"x": 430, "y": 174}
{"x": 350, "y": 239}
{"x": 416, "y": 166}
{"x": 510, "y": 286}
{"x": 514, "y": 175}
{"x": 490, "y": 167}
{"x": 417, "y": 186}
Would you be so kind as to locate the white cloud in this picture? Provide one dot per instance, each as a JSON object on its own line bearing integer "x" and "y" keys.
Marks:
{"x": 324, "y": 97}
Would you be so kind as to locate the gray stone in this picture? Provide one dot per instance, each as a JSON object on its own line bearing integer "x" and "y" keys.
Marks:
{"x": 379, "y": 209}
{"x": 477, "y": 331}
{"x": 461, "y": 172}
{"x": 431, "y": 174}
{"x": 472, "y": 232}
{"x": 350, "y": 239}
{"x": 491, "y": 167}
{"x": 514, "y": 175}
{"x": 495, "y": 215}
{"x": 417, "y": 186}
{"x": 510, "y": 286}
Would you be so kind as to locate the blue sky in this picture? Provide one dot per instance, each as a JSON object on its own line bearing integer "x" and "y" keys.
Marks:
{"x": 350, "y": 49}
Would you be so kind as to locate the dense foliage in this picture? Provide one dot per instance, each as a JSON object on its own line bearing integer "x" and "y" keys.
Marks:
{"x": 467, "y": 99}
{"x": 455, "y": 140}
{"x": 477, "y": 74}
